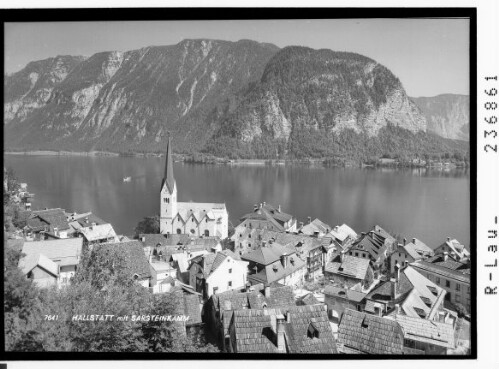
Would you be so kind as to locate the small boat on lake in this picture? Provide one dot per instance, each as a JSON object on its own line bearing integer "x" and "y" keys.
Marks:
{"x": 127, "y": 179}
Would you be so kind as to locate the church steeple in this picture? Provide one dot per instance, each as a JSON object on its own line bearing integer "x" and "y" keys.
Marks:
{"x": 168, "y": 177}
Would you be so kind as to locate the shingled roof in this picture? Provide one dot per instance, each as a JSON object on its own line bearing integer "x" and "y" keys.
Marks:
{"x": 50, "y": 218}
{"x": 441, "y": 270}
{"x": 344, "y": 293}
{"x": 368, "y": 334}
{"x": 428, "y": 331}
{"x": 64, "y": 252}
{"x": 268, "y": 254}
{"x": 255, "y": 330}
{"x": 276, "y": 271}
{"x": 351, "y": 266}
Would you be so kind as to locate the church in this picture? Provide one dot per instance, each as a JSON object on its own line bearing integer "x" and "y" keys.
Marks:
{"x": 193, "y": 218}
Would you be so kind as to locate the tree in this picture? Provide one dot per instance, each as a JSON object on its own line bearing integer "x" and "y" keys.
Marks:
{"x": 147, "y": 225}
{"x": 461, "y": 310}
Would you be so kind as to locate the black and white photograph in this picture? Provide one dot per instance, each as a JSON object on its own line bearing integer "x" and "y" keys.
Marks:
{"x": 243, "y": 184}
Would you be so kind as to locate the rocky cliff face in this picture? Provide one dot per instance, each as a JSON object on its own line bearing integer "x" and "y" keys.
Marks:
{"x": 321, "y": 90}
{"x": 116, "y": 101}
{"x": 201, "y": 91}
{"x": 447, "y": 115}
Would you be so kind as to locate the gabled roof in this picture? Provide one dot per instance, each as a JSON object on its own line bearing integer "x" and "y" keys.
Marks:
{"x": 64, "y": 252}
{"x": 344, "y": 293}
{"x": 364, "y": 333}
{"x": 269, "y": 213}
{"x": 373, "y": 244}
{"x": 255, "y": 331}
{"x": 383, "y": 233}
{"x": 309, "y": 299}
{"x": 351, "y": 266}
{"x": 31, "y": 261}
{"x": 441, "y": 270}
{"x": 417, "y": 249}
{"x": 342, "y": 232}
{"x": 268, "y": 254}
{"x": 210, "y": 262}
{"x": 168, "y": 178}
{"x": 315, "y": 226}
{"x": 456, "y": 247}
{"x": 276, "y": 271}
{"x": 428, "y": 331}
{"x": 134, "y": 256}
{"x": 54, "y": 218}
{"x": 85, "y": 219}
{"x": 98, "y": 232}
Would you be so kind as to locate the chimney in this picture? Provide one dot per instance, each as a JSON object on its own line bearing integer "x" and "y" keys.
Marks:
{"x": 255, "y": 207}
{"x": 446, "y": 255}
{"x": 316, "y": 234}
{"x": 397, "y": 309}
{"x": 227, "y": 305}
{"x": 150, "y": 259}
{"x": 405, "y": 241}
{"x": 56, "y": 231}
{"x": 284, "y": 261}
{"x": 264, "y": 243}
{"x": 288, "y": 317}
{"x": 371, "y": 233}
{"x": 301, "y": 224}
{"x": 261, "y": 205}
{"x": 264, "y": 203}
{"x": 94, "y": 224}
{"x": 414, "y": 241}
{"x": 281, "y": 347}
{"x": 309, "y": 220}
{"x": 394, "y": 286}
{"x": 448, "y": 239}
{"x": 336, "y": 228}
{"x": 267, "y": 291}
{"x": 143, "y": 239}
{"x": 363, "y": 233}
{"x": 279, "y": 208}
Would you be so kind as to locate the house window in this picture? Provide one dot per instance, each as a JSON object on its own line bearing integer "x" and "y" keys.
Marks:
{"x": 215, "y": 289}
{"x": 193, "y": 231}
{"x": 206, "y": 220}
{"x": 230, "y": 270}
{"x": 356, "y": 254}
{"x": 207, "y": 233}
{"x": 166, "y": 200}
{"x": 249, "y": 244}
{"x": 447, "y": 283}
{"x": 458, "y": 287}
{"x": 179, "y": 231}
{"x": 229, "y": 284}
{"x": 437, "y": 280}
{"x": 249, "y": 236}
{"x": 458, "y": 298}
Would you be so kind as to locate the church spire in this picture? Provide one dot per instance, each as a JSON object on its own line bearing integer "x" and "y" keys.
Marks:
{"x": 168, "y": 178}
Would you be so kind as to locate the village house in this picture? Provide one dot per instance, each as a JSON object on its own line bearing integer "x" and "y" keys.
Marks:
{"x": 310, "y": 249}
{"x": 350, "y": 272}
{"x": 425, "y": 336}
{"x": 161, "y": 273}
{"x": 220, "y": 307}
{"x": 451, "y": 275}
{"x": 291, "y": 329}
{"x": 361, "y": 333}
{"x": 275, "y": 263}
{"x": 375, "y": 246}
{"x": 48, "y": 223}
{"x": 215, "y": 273}
{"x": 136, "y": 263}
{"x": 265, "y": 216}
{"x": 82, "y": 220}
{"x": 316, "y": 228}
{"x": 93, "y": 234}
{"x": 193, "y": 218}
{"x": 455, "y": 249}
{"x": 338, "y": 299}
{"x": 409, "y": 252}
{"x": 51, "y": 262}
{"x": 343, "y": 235}
{"x": 408, "y": 293}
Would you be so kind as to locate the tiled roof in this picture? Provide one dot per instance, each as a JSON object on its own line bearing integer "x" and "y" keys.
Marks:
{"x": 445, "y": 272}
{"x": 374, "y": 245}
{"x": 418, "y": 249}
{"x": 344, "y": 293}
{"x": 383, "y": 233}
{"x": 315, "y": 226}
{"x": 255, "y": 330}
{"x": 98, "y": 232}
{"x": 351, "y": 266}
{"x": 383, "y": 292}
{"x": 276, "y": 271}
{"x": 456, "y": 247}
{"x": 65, "y": 251}
{"x": 428, "y": 331}
{"x": 210, "y": 262}
{"x": 309, "y": 299}
{"x": 342, "y": 232}
{"x": 55, "y": 218}
{"x": 267, "y": 255}
{"x": 86, "y": 219}
{"x": 133, "y": 250}
{"x": 31, "y": 261}
{"x": 370, "y": 334}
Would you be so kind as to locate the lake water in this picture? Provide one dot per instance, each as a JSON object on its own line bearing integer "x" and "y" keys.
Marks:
{"x": 426, "y": 204}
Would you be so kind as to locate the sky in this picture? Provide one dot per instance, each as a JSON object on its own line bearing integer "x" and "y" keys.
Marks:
{"x": 429, "y": 56}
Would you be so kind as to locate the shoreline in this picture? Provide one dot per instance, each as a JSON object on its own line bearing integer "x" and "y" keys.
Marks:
{"x": 184, "y": 158}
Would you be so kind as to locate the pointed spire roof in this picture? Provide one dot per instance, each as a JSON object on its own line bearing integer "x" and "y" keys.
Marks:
{"x": 168, "y": 177}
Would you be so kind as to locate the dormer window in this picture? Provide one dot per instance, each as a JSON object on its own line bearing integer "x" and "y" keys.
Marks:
{"x": 365, "y": 323}
{"x": 420, "y": 312}
{"x": 312, "y": 331}
{"x": 432, "y": 289}
{"x": 426, "y": 301}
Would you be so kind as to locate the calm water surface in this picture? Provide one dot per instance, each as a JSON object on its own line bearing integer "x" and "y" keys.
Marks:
{"x": 426, "y": 204}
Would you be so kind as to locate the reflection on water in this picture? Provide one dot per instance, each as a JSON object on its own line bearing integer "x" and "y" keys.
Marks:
{"x": 429, "y": 204}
